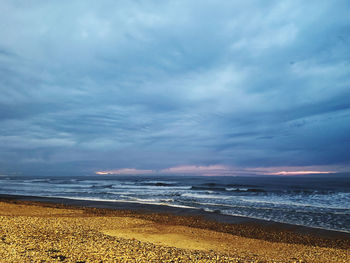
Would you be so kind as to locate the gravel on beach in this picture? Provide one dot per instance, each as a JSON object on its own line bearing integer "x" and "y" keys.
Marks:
{"x": 32, "y": 232}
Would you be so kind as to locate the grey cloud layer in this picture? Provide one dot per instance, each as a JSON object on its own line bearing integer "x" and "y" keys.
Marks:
{"x": 143, "y": 84}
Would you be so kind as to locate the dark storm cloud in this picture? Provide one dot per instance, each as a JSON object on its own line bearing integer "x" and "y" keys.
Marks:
{"x": 149, "y": 85}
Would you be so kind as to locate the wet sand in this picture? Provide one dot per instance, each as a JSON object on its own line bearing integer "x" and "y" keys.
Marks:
{"x": 50, "y": 232}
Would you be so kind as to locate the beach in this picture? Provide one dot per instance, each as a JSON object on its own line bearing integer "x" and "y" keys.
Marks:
{"x": 34, "y": 231}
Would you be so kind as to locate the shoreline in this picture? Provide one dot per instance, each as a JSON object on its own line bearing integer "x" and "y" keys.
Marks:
{"x": 218, "y": 222}
{"x": 37, "y": 229}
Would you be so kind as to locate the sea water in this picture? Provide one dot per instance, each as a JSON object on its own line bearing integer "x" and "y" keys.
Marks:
{"x": 321, "y": 201}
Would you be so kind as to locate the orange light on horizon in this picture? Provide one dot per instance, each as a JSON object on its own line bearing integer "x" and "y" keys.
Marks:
{"x": 101, "y": 173}
{"x": 299, "y": 172}
{"x": 125, "y": 171}
{"x": 218, "y": 170}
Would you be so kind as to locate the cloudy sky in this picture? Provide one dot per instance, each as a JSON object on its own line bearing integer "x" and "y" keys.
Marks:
{"x": 158, "y": 85}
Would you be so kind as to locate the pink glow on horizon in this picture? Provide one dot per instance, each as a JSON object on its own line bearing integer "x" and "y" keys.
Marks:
{"x": 210, "y": 170}
{"x": 299, "y": 172}
{"x": 223, "y": 170}
{"x": 196, "y": 169}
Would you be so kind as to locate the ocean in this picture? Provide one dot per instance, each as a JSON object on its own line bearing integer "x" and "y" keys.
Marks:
{"x": 321, "y": 201}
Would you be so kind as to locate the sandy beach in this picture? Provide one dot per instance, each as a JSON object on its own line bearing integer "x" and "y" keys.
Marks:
{"x": 43, "y": 232}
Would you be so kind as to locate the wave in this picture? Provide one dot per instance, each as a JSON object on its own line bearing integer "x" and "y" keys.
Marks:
{"x": 228, "y": 189}
{"x": 205, "y": 196}
{"x": 292, "y": 203}
{"x": 102, "y": 186}
{"x": 286, "y": 221}
{"x": 38, "y": 181}
{"x": 309, "y": 192}
{"x": 216, "y": 211}
{"x": 208, "y": 188}
{"x": 152, "y": 200}
{"x": 138, "y": 201}
{"x": 243, "y": 185}
{"x": 159, "y": 184}
{"x": 251, "y": 190}
{"x": 59, "y": 181}
{"x": 305, "y": 192}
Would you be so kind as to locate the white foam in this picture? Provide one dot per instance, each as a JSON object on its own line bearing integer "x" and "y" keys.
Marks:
{"x": 285, "y": 222}
{"x": 237, "y": 189}
{"x": 204, "y": 196}
{"x": 122, "y": 201}
{"x": 338, "y": 201}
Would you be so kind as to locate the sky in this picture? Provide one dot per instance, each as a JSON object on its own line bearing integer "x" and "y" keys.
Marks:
{"x": 174, "y": 86}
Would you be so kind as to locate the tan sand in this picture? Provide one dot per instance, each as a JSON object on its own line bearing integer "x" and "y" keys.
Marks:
{"x": 34, "y": 233}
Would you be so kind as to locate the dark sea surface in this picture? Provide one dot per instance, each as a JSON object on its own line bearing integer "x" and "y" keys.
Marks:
{"x": 321, "y": 201}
